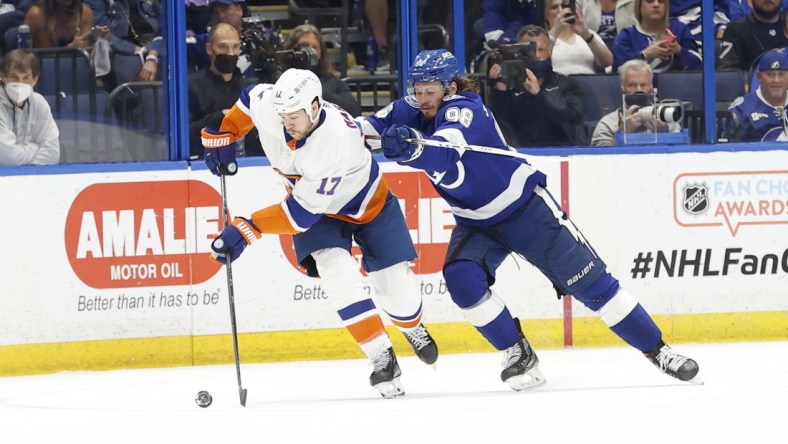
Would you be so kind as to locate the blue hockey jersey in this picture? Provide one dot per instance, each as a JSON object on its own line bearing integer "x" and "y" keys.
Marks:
{"x": 758, "y": 121}
{"x": 632, "y": 41}
{"x": 481, "y": 189}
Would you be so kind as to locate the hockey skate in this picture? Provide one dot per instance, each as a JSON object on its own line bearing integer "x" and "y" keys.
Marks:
{"x": 385, "y": 374}
{"x": 674, "y": 364}
{"x": 521, "y": 365}
{"x": 423, "y": 344}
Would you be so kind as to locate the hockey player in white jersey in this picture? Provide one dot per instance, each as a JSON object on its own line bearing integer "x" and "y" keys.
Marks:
{"x": 336, "y": 194}
{"x": 501, "y": 206}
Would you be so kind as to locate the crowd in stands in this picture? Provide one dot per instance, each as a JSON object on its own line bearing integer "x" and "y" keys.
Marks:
{"x": 547, "y": 105}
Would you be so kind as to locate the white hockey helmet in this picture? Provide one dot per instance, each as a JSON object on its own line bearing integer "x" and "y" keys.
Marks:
{"x": 296, "y": 89}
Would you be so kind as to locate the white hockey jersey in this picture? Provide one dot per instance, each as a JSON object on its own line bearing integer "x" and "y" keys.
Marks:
{"x": 328, "y": 172}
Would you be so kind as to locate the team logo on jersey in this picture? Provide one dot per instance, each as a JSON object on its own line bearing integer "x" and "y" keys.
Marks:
{"x": 696, "y": 198}
{"x": 731, "y": 199}
{"x": 143, "y": 234}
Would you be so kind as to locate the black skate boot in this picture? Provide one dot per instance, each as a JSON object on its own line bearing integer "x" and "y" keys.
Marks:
{"x": 385, "y": 374}
{"x": 423, "y": 344}
{"x": 674, "y": 364}
{"x": 521, "y": 365}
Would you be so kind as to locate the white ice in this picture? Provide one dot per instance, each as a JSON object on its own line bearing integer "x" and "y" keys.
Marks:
{"x": 601, "y": 395}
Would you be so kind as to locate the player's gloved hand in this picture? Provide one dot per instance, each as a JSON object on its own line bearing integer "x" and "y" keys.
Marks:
{"x": 219, "y": 151}
{"x": 233, "y": 239}
{"x": 395, "y": 147}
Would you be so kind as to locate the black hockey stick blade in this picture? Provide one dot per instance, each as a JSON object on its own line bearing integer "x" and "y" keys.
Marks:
{"x": 243, "y": 397}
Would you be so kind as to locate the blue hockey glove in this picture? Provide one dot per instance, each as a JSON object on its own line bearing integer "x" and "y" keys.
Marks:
{"x": 396, "y": 148}
{"x": 219, "y": 151}
{"x": 234, "y": 239}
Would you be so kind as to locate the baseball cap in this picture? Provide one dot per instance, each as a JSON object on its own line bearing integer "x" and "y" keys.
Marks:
{"x": 773, "y": 61}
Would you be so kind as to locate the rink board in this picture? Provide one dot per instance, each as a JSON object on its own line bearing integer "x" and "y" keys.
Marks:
{"x": 111, "y": 270}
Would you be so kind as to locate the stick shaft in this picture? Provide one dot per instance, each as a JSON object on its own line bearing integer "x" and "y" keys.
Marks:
{"x": 231, "y": 297}
{"x": 474, "y": 148}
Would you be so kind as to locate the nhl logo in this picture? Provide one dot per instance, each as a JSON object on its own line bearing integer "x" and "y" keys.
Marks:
{"x": 696, "y": 198}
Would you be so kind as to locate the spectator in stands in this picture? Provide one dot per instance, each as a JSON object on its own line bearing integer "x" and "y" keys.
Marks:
{"x": 500, "y": 23}
{"x": 28, "y": 132}
{"x": 636, "y": 78}
{"x": 11, "y": 17}
{"x": 760, "y": 115}
{"x": 741, "y": 8}
{"x": 549, "y": 109}
{"x": 132, "y": 25}
{"x": 334, "y": 89}
{"x": 665, "y": 43}
{"x": 221, "y": 11}
{"x": 215, "y": 89}
{"x": 377, "y": 14}
{"x": 688, "y": 12}
{"x": 608, "y": 17}
{"x": 750, "y": 36}
{"x": 59, "y": 24}
{"x": 576, "y": 49}
{"x": 503, "y": 19}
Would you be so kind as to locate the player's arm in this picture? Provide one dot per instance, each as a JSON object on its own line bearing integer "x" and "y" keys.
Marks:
{"x": 220, "y": 144}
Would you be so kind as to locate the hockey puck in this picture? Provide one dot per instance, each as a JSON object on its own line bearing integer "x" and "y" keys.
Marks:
{"x": 203, "y": 399}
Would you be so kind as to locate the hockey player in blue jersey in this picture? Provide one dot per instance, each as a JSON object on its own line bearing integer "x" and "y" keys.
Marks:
{"x": 760, "y": 115}
{"x": 501, "y": 206}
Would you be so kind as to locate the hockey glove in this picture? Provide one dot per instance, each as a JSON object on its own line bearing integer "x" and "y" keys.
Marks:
{"x": 233, "y": 239}
{"x": 395, "y": 147}
{"x": 219, "y": 151}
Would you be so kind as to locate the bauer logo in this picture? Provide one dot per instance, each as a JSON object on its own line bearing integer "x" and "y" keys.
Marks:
{"x": 143, "y": 234}
{"x": 731, "y": 199}
{"x": 427, "y": 215}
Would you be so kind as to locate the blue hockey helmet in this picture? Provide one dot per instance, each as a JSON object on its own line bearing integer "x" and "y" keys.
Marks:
{"x": 434, "y": 65}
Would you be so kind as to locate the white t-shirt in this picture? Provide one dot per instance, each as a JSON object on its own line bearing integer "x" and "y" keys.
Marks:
{"x": 575, "y": 58}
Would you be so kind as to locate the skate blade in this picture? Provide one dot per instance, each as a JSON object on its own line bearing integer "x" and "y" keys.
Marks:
{"x": 697, "y": 380}
{"x": 390, "y": 389}
{"x": 530, "y": 380}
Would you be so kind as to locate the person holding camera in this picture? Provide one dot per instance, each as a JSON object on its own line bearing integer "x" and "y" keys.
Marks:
{"x": 760, "y": 116}
{"x": 636, "y": 80}
{"x": 663, "y": 42}
{"x": 307, "y": 36}
{"x": 534, "y": 105}
{"x": 576, "y": 49}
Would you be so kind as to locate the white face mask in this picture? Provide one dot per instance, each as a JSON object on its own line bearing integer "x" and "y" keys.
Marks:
{"x": 18, "y": 92}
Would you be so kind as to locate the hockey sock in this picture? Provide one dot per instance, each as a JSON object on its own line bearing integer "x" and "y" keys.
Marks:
{"x": 630, "y": 321}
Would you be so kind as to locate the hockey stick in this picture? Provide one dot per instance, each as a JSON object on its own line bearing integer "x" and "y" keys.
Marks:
{"x": 231, "y": 297}
{"x": 474, "y": 148}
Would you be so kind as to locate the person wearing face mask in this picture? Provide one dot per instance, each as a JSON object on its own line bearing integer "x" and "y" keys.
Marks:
{"x": 215, "y": 89}
{"x": 636, "y": 80}
{"x": 334, "y": 89}
{"x": 549, "y": 109}
{"x": 28, "y": 132}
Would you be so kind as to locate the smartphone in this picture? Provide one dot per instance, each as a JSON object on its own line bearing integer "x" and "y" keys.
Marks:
{"x": 668, "y": 38}
{"x": 95, "y": 32}
{"x": 572, "y": 5}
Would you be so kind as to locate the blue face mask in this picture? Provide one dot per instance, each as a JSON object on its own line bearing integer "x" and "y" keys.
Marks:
{"x": 541, "y": 68}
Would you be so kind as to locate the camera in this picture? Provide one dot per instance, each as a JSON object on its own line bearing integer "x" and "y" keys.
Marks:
{"x": 571, "y": 5}
{"x": 513, "y": 59}
{"x": 263, "y": 47}
{"x": 664, "y": 112}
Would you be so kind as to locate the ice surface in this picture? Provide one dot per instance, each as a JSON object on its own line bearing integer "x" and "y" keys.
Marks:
{"x": 601, "y": 395}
